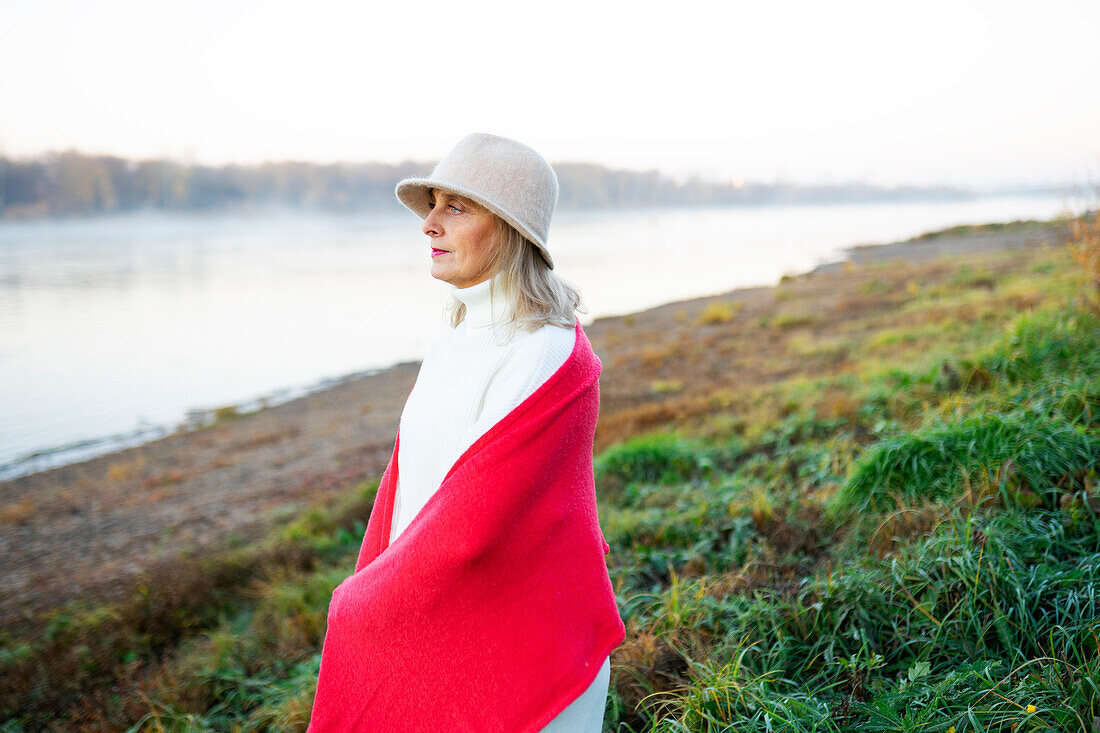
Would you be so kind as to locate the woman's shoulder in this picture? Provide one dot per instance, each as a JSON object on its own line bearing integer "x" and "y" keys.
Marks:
{"x": 548, "y": 340}
{"x": 530, "y": 357}
{"x": 526, "y": 361}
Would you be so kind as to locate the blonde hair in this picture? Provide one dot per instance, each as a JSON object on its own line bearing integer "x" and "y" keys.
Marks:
{"x": 536, "y": 294}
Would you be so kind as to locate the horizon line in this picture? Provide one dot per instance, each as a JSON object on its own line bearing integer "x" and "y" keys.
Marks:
{"x": 677, "y": 178}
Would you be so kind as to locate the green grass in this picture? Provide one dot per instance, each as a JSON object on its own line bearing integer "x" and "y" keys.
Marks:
{"x": 970, "y": 483}
{"x": 967, "y": 627}
{"x": 657, "y": 457}
{"x": 1028, "y": 458}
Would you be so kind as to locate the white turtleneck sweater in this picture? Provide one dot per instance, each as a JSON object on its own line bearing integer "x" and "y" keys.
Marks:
{"x": 472, "y": 376}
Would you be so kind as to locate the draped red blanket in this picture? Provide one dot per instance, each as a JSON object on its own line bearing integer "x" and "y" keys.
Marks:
{"x": 493, "y": 610}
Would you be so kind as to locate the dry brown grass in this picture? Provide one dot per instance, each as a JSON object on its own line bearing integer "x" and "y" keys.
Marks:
{"x": 120, "y": 471}
{"x": 836, "y": 404}
{"x": 644, "y": 666}
{"x": 856, "y": 303}
{"x": 787, "y": 320}
{"x": 1085, "y": 248}
{"x": 268, "y": 437}
{"x": 902, "y": 525}
{"x": 718, "y": 312}
{"x": 653, "y": 663}
{"x": 168, "y": 478}
{"x": 18, "y": 512}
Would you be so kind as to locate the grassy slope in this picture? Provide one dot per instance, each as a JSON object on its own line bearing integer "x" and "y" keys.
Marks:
{"x": 895, "y": 531}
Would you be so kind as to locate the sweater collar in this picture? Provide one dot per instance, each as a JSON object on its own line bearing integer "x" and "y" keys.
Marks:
{"x": 485, "y": 303}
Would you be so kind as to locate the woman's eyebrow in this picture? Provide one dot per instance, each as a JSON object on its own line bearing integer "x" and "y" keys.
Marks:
{"x": 439, "y": 199}
{"x": 458, "y": 200}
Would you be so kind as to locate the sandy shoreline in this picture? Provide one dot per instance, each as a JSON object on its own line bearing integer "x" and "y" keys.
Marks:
{"x": 80, "y": 529}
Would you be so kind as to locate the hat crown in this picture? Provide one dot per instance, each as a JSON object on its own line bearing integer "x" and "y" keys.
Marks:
{"x": 493, "y": 163}
{"x": 507, "y": 177}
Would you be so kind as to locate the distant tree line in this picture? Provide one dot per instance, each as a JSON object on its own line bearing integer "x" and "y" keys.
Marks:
{"x": 71, "y": 183}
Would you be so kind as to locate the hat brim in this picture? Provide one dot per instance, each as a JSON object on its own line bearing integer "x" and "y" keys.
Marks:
{"x": 415, "y": 194}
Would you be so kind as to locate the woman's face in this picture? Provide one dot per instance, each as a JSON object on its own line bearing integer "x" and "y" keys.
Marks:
{"x": 461, "y": 234}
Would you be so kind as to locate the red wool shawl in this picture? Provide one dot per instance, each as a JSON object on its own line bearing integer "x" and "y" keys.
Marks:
{"x": 493, "y": 610}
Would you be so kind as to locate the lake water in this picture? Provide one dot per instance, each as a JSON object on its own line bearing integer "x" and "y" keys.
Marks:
{"x": 113, "y": 330}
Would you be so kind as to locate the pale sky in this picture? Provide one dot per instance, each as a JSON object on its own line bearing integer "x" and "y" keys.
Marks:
{"x": 958, "y": 91}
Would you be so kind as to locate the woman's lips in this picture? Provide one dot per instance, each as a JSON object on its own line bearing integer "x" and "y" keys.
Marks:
{"x": 437, "y": 252}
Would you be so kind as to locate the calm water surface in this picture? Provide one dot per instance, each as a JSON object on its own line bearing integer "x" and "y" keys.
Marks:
{"x": 113, "y": 330}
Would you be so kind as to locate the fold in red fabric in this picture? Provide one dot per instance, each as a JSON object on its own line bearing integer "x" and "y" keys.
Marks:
{"x": 493, "y": 610}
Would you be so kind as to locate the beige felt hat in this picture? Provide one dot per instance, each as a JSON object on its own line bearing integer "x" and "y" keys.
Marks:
{"x": 505, "y": 176}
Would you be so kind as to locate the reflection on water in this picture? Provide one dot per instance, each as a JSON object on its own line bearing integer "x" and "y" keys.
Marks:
{"x": 124, "y": 324}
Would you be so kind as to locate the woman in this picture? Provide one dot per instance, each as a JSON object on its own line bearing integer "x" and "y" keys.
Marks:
{"x": 480, "y": 600}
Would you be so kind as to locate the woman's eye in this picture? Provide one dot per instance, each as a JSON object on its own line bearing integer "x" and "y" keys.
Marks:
{"x": 454, "y": 208}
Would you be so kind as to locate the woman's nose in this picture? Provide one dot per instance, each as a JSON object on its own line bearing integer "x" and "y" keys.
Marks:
{"x": 431, "y": 224}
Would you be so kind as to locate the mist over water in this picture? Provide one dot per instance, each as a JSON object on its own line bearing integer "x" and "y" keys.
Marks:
{"x": 120, "y": 326}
